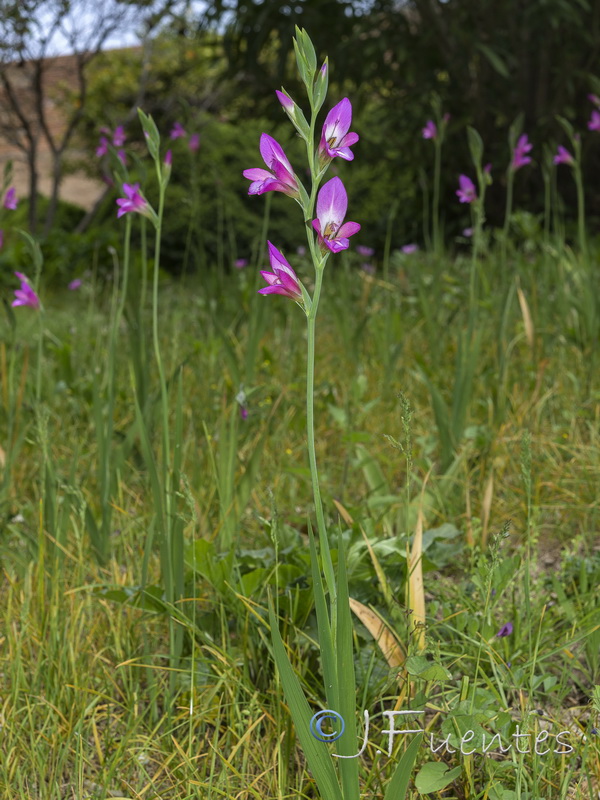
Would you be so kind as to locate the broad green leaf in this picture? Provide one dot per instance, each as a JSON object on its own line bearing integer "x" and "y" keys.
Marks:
{"x": 435, "y": 776}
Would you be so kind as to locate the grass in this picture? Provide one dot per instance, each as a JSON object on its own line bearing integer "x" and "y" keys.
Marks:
{"x": 93, "y": 702}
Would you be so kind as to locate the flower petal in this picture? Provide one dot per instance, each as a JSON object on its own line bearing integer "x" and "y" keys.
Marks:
{"x": 332, "y": 203}
{"x": 348, "y": 229}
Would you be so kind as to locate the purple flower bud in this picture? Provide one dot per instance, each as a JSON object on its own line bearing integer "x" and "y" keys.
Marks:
{"x": 74, "y": 285}
{"x": 505, "y": 630}
{"x": 194, "y": 142}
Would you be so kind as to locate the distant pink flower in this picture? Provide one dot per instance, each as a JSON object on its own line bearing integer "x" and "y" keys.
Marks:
{"x": 335, "y": 139}
{"x": 332, "y": 204}
{"x": 595, "y": 99}
{"x": 280, "y": 178}
{"x": 177, "y": 131}
{"x": 301, "y": 250}
{"x": 467, "y": 233}
{"x": 466, "y": 193}
{"x": 283, "y": 280}
{"x": 409, "y": 249}
{"x": 122, "y": 157}
{"x": 194, "y": 142}
{"x": 133, "y": 200}
{"x": 244, "y": 413}
{"x": 25, "y": 296}
{"x": 563, "y": 156}
{"x": 10, "y": 199}
{"x": 74, "y": 285}
{"x": 430, "y": 130}
{"x": 119, "y": 136}
{"x": 1, "y": 239}
{"x": 102, "y": 148}
{"x": 520, "y": 157}
{"x": 365, "y": 251}
{"x": 594, "y": 123}
{"x": 240, "y": 263}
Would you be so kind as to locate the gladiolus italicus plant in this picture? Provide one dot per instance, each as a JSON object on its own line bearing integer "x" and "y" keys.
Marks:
{"x": 466, "y": 192}
{"x": 335, "y": 139}
{"x": 283, "y": 280}
{"x": 10, "y": 199}
{"x": 430, "y": 130}
{"x": 133, "y": 200}
{"x": 26, "y": 295}
{"x": 279, "y": 177}
{"x": 563, "y": 156}
{"x": 332, "y": 204}
{"x": 594, "y": 122}
{"x": 520, "y": 157}
{"x": 327, "y": 234}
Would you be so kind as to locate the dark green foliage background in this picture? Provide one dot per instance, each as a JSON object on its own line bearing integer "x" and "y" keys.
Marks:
{"x": 487, "y": 61}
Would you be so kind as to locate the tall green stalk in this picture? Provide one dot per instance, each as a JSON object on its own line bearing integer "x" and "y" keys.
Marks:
{"x": 334, "y": 620}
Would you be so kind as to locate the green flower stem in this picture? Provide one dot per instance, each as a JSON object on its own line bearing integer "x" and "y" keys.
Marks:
{"x": 157, "y": 354}
{"x": 319, "y": 262}
{"x": 310, "y": 432}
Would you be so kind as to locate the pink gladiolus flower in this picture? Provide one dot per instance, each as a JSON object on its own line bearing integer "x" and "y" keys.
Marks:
{"x": 177, "y": 131}
{"x": 74, "y": 285}
{"x": 466, "y": 193}
{"x": 25, "y": 296}
{"x": 283, "y": 280}
{"x": 430, "y": 130}
{"x": 133, "y": 200}
{"x": 332, "y": 204}
{"x": 281, "y": 178}
{"x": 102, "y": 148}
{"x": 409, "y": 249}
{"x": 119, "y": 136}
{"x": 194, "y": 142}
{"x": 594, "y": 123}
{"x": 520, "y": 157}
{"x": 10, "y": 199}
{"x": 335, "y": 139}
{"x": 563, "y": 156}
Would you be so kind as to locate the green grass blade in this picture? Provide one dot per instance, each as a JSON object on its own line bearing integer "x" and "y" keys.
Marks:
{"x": 396, "y": 788}
{"x": 346, "y": 684}
{"x": 323, "y": 625}
{"x": 317, "y": 755}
